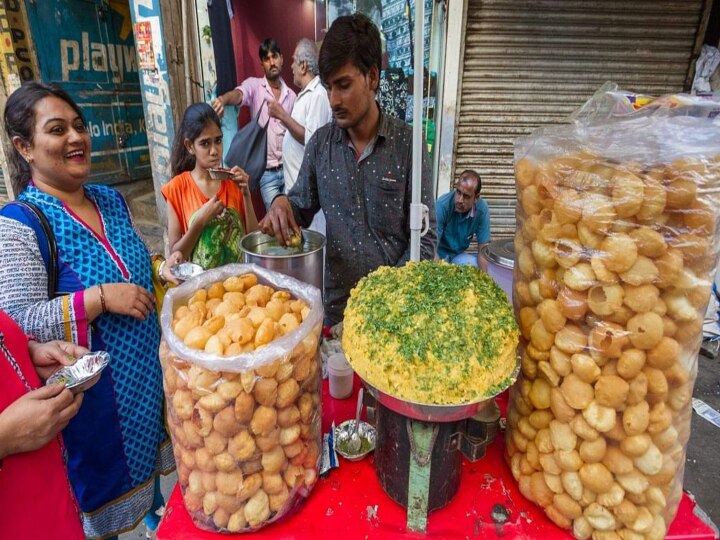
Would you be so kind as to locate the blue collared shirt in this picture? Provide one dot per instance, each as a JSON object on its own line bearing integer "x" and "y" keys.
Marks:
{"x": 455, "y": 230}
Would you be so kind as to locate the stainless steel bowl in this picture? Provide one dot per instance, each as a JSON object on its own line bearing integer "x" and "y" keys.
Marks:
{"x": 342, "y": 434}
{"x": 305, "y": 265}
{"x": 435, "y": 413}
{"x": 83, "y": 374}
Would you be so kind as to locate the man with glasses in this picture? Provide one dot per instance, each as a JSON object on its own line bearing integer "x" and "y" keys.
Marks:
{"x": 462, "y": 214}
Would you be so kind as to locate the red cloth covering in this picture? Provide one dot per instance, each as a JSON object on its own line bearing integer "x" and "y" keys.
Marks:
{"x": 36, "y": 502}
{"x": 350, "y": 504}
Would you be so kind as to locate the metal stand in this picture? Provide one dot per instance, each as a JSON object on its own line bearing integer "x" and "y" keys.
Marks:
{"x": 422, "y": 437}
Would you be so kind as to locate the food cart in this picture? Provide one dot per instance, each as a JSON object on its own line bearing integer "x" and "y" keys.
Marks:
{"x": 482, "y": 496}
{"x": 350, "y": 503}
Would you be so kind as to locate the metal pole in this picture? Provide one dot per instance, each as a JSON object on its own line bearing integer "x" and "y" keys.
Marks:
{"x": 186, "y": 52}
{"x": 416, "y": 207}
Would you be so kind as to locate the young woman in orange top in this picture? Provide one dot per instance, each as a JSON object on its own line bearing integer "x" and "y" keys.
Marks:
{"x": 194, "y": 198}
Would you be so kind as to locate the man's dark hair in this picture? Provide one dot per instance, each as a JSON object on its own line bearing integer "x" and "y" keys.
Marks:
{"x": 354, "y": 39}
{"x": 472, "y": 174}
{"x": 269, "y": 45}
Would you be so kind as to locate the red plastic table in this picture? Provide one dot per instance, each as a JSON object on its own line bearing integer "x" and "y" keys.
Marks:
{"x": 350, "y": 503}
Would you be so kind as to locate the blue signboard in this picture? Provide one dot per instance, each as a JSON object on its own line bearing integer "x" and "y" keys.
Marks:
{"x": 87, "y": 46}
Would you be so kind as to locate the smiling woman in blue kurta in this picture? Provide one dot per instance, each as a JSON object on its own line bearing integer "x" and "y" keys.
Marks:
{"x": 117, "y": 443}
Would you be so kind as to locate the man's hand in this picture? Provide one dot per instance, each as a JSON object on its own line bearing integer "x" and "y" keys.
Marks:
{"x": 33, "y": 419}
{"x": 481, "y": 262}
{"x": 280, "y": 221}
{"x": 276, "y": 111}
{"x": 218, "y": 106}
{"x": 48, "y": 357}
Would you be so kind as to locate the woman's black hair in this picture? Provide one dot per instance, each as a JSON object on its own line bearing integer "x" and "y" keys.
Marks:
{"x": 196, "y": 118}
{"x": 19, "y": 117}
{"x": 354, "y": 39}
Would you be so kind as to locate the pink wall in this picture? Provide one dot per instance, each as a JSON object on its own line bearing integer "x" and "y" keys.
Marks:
{"x": 284, "y": 20}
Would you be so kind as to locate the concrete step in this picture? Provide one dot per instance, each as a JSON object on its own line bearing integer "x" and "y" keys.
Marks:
{"x": 143, "y": 206}
{"x": 140, "y": 196}
{"x": 153, "y": 234}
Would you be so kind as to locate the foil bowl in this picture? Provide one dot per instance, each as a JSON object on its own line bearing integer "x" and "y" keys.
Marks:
{"x": 218, "y": 173}
{"x": 186, "y": 270}
{"x": 342, "y": 434}
{"x": 83, "y": 374}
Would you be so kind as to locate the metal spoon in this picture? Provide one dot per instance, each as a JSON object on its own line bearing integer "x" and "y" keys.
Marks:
{"x": 354, "y": 444}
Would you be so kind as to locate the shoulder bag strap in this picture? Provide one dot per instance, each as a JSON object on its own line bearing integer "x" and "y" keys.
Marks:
{"x": 257, "y": 116}
{"x": 52, "y": 270}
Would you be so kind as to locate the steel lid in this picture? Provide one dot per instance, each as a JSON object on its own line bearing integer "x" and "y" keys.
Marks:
{"x": 500, "y": 252}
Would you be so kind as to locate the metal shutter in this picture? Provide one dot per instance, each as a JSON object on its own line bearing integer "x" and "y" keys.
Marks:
{"x": 531, "y": 63}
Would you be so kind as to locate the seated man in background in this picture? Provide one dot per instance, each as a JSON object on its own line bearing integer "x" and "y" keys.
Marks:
{"x": 461, "y": 213}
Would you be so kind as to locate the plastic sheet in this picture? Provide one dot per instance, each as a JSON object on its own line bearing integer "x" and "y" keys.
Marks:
{"x": 616, "y": 247}
{"x": 245, "y": 425}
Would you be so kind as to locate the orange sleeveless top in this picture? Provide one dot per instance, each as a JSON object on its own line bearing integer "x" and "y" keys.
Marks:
{"x": 185, "y": 197}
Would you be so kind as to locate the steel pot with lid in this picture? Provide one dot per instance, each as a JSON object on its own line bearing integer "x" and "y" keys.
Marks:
{"x": 500, "y": 256}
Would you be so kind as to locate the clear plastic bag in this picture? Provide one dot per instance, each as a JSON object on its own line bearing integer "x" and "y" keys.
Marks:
{"x": 245, "y": 426}
{"x": 616, "y": 247}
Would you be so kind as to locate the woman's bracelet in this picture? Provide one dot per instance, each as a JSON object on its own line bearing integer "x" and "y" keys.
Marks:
{"x": 161, "y": 267}
{"x": 103, "y": 305}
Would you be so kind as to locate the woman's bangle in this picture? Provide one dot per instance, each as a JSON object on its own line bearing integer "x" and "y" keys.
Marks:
{"x": 161, "y": 268}
{"x": 103, "y": 305}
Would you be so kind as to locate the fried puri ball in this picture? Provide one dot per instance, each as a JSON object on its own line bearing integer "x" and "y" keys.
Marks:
{"x": 244, "y": 407}
{"x": 257, "y": 509}
{"x": 264, "y": 420}
{"x": 250, "y": 485}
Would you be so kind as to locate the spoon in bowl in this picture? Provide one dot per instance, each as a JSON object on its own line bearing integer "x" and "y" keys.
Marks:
{"x": 354, "y": 444}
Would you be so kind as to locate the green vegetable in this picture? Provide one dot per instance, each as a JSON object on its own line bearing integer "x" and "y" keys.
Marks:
{"x": 343, "y": 447}
{"x": 219, "y": 243}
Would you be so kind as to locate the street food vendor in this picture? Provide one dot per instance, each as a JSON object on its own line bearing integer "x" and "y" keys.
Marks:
{"x": 357, "y": 169}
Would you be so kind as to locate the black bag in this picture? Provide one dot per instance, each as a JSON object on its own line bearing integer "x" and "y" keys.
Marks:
{"x": 52, "y": 271}
{"x": 248, "y": 150}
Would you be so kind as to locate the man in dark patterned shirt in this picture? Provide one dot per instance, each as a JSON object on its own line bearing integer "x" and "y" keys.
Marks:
{"x": 357, "y": 169}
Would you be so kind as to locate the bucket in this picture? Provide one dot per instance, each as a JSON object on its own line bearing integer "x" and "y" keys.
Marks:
{"x": 264, "y": 250}
{"x": 500, "y": 256}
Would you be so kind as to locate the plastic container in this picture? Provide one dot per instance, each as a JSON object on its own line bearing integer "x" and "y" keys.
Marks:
{"x": 340, "y": 376}
{"x": 500, "y": 256}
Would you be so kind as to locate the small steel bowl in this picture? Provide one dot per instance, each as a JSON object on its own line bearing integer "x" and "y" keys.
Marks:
{"x": 186, "y": 270}
{"x": 83, "y": 374}
{"x": 221, "y": 174}
{"x": 366, "y": 433}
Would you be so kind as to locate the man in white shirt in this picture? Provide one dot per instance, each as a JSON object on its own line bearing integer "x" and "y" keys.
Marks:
{"x": 311, "y": 109}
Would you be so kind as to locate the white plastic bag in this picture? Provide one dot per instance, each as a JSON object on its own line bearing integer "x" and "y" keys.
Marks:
{"x": 245, "y": 428}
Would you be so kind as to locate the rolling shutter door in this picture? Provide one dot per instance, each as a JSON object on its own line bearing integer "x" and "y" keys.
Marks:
{"x": 531, "y": 63}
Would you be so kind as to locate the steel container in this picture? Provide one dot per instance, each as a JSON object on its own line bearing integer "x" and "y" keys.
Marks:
{"x": 307, "y": 265}
{"x": 500, "y": 256}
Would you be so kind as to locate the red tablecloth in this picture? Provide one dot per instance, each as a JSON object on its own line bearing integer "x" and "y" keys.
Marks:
{"x": 350, "y": 503}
